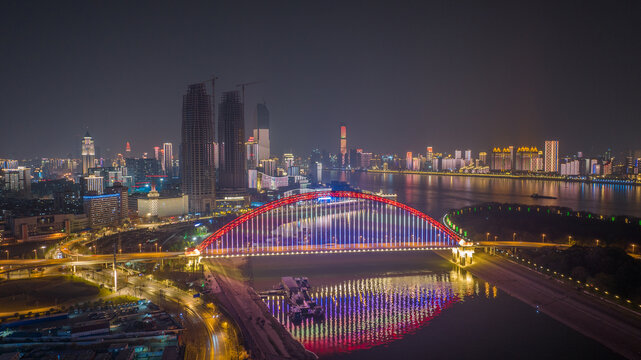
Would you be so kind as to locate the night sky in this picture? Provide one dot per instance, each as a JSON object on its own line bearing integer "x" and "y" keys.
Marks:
{"x": 401, "y": 75}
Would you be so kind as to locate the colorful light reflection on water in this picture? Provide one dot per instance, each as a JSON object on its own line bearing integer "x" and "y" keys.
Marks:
{"x": 369, "y": 312}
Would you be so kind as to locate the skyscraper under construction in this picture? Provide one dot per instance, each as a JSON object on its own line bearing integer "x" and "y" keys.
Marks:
{"x": 197, "y": 152}
{"x": 231, "y": 142}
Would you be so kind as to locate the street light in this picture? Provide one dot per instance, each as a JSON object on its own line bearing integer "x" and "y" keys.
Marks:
{"x": 7, "y": 251}
{"x": 514, "y": 237}
{"x": 543, "y": 236}
{"x": 487, "y": 236}
{"x": 35, "y": 253}
{"x": 156, "y": 246}
{"x": 139, "y": 247}
{"x": 569, "y": 239}
{"x": 633, "y": 245}
{"x": 597, "y": 242}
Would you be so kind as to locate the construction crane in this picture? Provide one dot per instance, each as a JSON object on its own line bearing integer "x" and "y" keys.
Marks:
{"x": 242, "y": 86}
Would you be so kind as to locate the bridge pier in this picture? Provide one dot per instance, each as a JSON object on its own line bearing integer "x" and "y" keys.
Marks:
{"x": 463, "y": 255}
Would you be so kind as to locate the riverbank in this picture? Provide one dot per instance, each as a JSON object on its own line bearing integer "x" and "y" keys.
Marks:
{"x": 513, "y": 176}
{"x": 613, "y": 326}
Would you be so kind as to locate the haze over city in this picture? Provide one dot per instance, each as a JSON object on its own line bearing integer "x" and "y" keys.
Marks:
{"x": 333, "y": 180}
{"x": 444, "y": 74}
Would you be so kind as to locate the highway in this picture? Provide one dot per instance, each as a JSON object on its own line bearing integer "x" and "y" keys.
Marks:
{"x": 614, "y": 326}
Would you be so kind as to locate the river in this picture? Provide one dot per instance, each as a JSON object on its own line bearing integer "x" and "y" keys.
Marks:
{"x": 416, "y": 305}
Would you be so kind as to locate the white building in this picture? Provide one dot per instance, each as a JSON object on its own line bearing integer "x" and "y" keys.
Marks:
{"x": 156, "y": 206}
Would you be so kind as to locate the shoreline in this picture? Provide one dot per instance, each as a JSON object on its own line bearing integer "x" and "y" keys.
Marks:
{"x": 596, "y": 319}
{"x": 502, "y": 176}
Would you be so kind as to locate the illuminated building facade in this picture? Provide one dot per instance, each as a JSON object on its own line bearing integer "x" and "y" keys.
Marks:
{"x": 197, "y": 154}
{"x": 343, "y": 147}
{"x": 551, "y": 156}
{"x": 18, "y": 180}
{"x": 526, "y": 158}
{"x": 88, "y": 153}
{"x": 168, "y": 159}
{"x": 408, "y": 161}
{"x": 102, "y": 210}
{"x": 501, "y": 159}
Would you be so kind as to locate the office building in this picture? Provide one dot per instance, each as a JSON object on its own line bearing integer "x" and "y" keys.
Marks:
{"x": 197, "y": 153}
{"x": 408, "y": 160}
{"x": 102, "y": 210}
{"x": 18, "y": 180}
{"x": 430, "y": 153}
{"x": 457, "y": 154}
{"x": 343, "y": 147}
{"x": 231, "y": 141}
{"x": 88, "y": 152}
{"x": 156, "y": 205}
{"x": 252, "y": 152}
{"x": 316, "y": 172}
{"x": 123, "y": 204}
{"x": 551, "y": 156}
{"x": 168, "y": 159}
{"x": 261, "y": 134}
{"x": 157, "y": 153}
{"x": 93, "y": 185}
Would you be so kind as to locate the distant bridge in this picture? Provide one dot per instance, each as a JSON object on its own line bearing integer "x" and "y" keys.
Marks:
{"x": 328, "y": 222}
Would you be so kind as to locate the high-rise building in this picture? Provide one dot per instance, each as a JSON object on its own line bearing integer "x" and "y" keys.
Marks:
{"x": 252, "y": 152}
{"x": 88, "y": 153}
{"x": 18, "y": 180}
{"x": 168, "y": 159}
{"x": 123, "y": 199}
{"x": 103, "y": 210}
{"x": 231, "y": 141}
{"x": 128, "y": 149}
{"x": 551, "y": 156}
{"x": 157, "y": 152}
{"x": 289, "y": 160}
{"x": 457, "y": 154}
{"x": 430, "y": 153}
{"x": 408, "y": 161}
{"x": 343, "y": 147}
{"x": 261, "y": 134}
{"x": 468, "y": 155}
{"x": 93, "y": 185}
{"x": 197, "y": 153}
{"x": 526, "y": 158}
{"x": 483, "y": 158}
{"x": 316, "y": 172}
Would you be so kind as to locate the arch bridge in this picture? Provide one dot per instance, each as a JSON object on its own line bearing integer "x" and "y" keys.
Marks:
{"x": 328, "y": 222}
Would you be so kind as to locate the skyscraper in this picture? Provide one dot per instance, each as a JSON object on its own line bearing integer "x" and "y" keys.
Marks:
{"x": 343, "y": 147}
{"x": 167, "y": 160}
{"x": 197, "y": 163}
{"x": 88, "y": 153}
{"x": 408, "y": 161}
{"x": 261, "y": 134}
{"x": 157, "y": 152}
{"x": 551, "y": 156}
{"x": 231, "y": 142}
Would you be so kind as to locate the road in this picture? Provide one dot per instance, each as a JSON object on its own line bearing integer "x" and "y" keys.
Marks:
{"x": 204, "y": 337}
{"x": 614, "y": 326}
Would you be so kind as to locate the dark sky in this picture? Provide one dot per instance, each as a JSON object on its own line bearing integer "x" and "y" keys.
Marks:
{"x": 401, "y": 75}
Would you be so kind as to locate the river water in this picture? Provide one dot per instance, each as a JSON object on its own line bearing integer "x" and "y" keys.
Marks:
{"x": 416, "y": 305}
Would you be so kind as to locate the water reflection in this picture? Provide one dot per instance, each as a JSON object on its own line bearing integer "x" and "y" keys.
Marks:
{"x": 364, "y": 313}
{"x": 437, "y": 194}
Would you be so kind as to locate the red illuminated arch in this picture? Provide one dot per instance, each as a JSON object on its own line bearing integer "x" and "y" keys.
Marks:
{"x": 316, "y": 195}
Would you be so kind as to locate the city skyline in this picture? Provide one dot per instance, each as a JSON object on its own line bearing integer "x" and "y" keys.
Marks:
{"x": 457, "y": 78}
